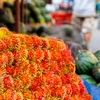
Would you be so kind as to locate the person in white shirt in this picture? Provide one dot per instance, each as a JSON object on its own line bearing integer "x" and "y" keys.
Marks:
{"x": 84, "y": 12}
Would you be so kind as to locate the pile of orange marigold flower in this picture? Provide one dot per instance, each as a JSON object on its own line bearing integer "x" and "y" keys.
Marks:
{"x": 37, "y": 68}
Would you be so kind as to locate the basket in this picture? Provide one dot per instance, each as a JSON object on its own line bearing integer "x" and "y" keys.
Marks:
{"x": 60, "y": 18}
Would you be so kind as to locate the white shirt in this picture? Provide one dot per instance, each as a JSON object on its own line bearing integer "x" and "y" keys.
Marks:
{"x": 84, "y": 7}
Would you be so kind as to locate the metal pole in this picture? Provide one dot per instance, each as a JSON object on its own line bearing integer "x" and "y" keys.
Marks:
{"x": 17, "y": 16}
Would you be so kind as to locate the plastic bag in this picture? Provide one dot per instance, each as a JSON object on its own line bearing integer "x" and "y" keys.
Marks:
{"x": 92, "y": 90}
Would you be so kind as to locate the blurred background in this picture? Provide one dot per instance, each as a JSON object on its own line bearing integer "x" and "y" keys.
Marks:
{"x": 46, "y": 18}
